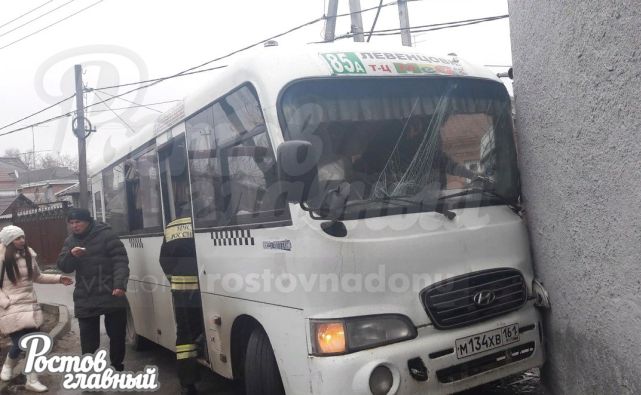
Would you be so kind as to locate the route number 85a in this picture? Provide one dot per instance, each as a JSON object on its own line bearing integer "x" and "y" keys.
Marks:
{"x": 344, "y": 63}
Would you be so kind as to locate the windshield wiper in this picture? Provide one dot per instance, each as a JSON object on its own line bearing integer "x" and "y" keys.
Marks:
{"x": 398, "y": 200}
{"x": 511, "y": 204}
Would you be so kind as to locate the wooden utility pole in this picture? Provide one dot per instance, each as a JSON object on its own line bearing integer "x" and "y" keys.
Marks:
{"x": 404, "y": 18}
{"x": 357, "y": 20}
{"x": 79, "y": 130}
{"x": 330, "y": 22}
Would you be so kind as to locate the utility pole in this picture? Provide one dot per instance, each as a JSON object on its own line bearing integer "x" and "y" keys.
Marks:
{"x": 330, "y": 22}
{"x": 404, "y": 18}
{"x": 79, "y": 131}
{"x": 357, "y": 20}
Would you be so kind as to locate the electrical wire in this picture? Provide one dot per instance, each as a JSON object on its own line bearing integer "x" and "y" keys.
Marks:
{"x": 132, "y": 102}
{"x": 51, "y": 25}
{"x": 213, "y": 60}
{"x": 378, "y": 11}
{"x": 38, "y": 112}
{"x": 115, "y": 113}
{"x": 136, "y": 106}
{"x": 182, "y": 73}
{"x": 189, "y": 71}
{"x": 37, "y": 123}
{"x": 36, "y": 18}
{"x": 373, "y": 8}
{"x": 157, "y": 79}
{"x": 25, "y": 14}
{"x": 431, "y": 27}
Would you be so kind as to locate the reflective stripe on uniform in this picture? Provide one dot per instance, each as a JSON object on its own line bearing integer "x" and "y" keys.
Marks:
{"x": 185, "y": 348}
{"x": 184, "y": 279}
{"x": 187, "y": 354}
{"x": 184, "y": 287}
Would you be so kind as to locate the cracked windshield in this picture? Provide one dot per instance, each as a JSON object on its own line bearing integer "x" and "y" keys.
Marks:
{"x": 405, "y": 145}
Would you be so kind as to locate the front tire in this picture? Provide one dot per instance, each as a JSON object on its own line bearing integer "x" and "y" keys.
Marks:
{"x": 262, "y": 376}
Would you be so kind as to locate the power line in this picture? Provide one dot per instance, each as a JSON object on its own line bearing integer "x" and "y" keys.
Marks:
{"x": 116, "y": 114}
{"x": 36, "y": 18}
{"x": 36, "y": 113}
{"x": 37, "y": 123}
{"x": 25, "y": 14}
{"x": 378, "y": 11}
{"x": 136, "y": 106}
{"x": 180, "y": 74}
{"x": 128, "y": 101}
{"x": 431, "y": 27}
{"x": 189, "y": 71}
{"x": 213, "y": 60}
{"x": 372, "y": 8}
{"x": 53, "y": 24}
{"x": 156, "y": 79}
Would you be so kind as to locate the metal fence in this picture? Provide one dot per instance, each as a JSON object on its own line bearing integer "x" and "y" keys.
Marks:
{"x": 45, "y": 228}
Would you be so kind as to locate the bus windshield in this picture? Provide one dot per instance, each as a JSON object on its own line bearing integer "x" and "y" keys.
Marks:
{"x": 405, "y": 143}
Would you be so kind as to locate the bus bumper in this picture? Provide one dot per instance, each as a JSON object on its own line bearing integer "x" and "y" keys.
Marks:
{"x": 350, "y": 374}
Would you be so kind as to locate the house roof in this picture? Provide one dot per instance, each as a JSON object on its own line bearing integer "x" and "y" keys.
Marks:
{"x": 52, "y": 173}
{"x": 7, "y": 201}
{"x": 75, "y": 188}
{"x": 8, "y": 166}
{"x": 13, "y": 162}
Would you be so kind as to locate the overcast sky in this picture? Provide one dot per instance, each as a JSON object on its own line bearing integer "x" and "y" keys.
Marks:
{"x": 120, "y": 41}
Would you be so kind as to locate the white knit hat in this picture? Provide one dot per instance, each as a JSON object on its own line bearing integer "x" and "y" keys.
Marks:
{"x": 9, "y": 233}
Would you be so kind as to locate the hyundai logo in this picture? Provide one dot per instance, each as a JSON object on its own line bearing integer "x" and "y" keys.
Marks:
{"x": 484, "y": 298}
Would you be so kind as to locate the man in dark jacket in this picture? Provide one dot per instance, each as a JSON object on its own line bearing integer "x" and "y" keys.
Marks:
{"x": 100, "y": 261}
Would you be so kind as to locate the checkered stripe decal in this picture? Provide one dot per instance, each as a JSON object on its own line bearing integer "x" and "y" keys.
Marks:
{"x": 135, "y": 242}
{"x": 230, "y": 238}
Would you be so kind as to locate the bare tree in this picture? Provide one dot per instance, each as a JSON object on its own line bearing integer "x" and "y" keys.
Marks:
{"x": 26, "y": 157}
{"x": 50, "y": 160}
{"x": 12, "y": 152}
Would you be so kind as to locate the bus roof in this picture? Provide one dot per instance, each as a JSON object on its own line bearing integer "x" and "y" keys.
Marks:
{"x": 269, "y": 69}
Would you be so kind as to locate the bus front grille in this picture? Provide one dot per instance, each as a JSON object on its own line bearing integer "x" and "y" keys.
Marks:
{"x": 474, "y": 297}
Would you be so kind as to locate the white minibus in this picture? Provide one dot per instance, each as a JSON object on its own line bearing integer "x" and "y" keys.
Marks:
{"x": 357, "y": 220}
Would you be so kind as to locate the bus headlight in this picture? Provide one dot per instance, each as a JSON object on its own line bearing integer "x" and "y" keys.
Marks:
{"x": 342, "y": 336}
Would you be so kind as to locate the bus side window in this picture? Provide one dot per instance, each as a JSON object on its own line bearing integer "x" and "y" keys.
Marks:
{"x": 204, "y": 167}
{"x": 115, "y": 199}
{"x": 247, "y": 160}
{"x": 174, "y": 180}
{"x": 143, "y": 194}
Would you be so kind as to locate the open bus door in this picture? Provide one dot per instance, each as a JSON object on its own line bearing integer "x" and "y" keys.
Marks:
{"x": 176, "y": 203}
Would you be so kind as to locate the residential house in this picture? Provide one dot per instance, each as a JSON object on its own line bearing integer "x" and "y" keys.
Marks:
{"x": 42, "y": 185}
{"x": 10, "y": 199}
{"x": 9, "y": 168}
{"x": 72, "y": 195}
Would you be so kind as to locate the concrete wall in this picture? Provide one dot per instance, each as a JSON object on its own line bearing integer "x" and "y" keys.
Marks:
{"x": 577, "y": 68}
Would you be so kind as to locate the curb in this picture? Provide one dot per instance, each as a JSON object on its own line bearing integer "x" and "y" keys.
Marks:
{"x": 64, "y": 321}
{"x": 60, "y": 329}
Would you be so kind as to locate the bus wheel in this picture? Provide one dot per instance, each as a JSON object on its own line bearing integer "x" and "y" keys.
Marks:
{"x": 261, "y": 370}
{"x": 139, "y": 343}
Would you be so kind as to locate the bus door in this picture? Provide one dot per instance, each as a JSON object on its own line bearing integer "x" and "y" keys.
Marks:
{"x": 176, "y": 196}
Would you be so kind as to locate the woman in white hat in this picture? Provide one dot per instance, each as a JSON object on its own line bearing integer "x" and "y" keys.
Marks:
{"x": 20, "y": 312}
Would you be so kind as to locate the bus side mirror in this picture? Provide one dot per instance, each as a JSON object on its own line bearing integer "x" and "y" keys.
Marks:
{"x": 297, "y": 170}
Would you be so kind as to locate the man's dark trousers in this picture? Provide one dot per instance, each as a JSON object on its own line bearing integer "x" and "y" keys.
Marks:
{"x": 116, "y": 326}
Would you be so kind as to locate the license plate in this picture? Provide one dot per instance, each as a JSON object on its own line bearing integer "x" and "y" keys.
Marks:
{"x": 486, "y": 341}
